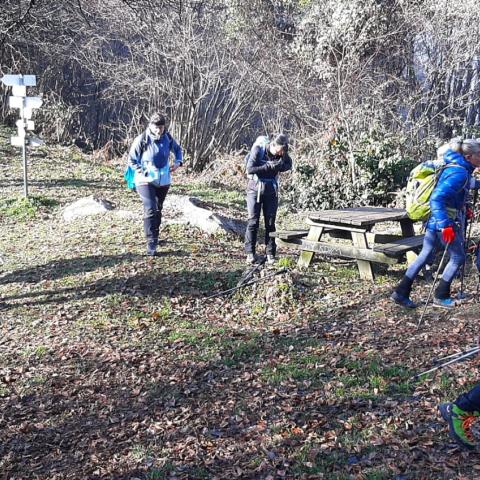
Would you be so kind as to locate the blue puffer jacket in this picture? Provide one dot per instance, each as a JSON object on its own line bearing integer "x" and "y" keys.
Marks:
{"x": 449, "y": 196}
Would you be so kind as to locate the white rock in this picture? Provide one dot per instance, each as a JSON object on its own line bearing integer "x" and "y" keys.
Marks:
{"x": 85, "y": 207}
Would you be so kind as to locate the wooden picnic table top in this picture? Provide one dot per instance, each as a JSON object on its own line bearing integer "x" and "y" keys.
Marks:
{"x": 359, "y": 216}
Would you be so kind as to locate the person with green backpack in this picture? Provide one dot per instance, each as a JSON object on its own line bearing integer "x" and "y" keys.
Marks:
{"x": 149, "y": 160}
{"x": 447, "y": 203}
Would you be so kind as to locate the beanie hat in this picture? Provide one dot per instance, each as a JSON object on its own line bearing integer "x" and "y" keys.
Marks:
{"x": 281, "y": 140}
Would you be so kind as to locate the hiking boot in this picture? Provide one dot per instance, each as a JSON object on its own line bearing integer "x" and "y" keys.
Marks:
{"x": 403, "y": 301}
{"x": 152, "y": 248}
{"x": 270, "y": 259}
{"x": 459, "y": 423}
{"x": 447, "y": 303}
{"x": 251, "y": 258}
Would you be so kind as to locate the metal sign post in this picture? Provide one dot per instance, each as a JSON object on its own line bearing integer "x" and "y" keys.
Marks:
{"x": 19, "y": 99}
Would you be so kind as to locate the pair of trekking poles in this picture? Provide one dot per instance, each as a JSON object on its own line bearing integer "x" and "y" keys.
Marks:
{"x": 440, "y": 266}
{"x": 450, "y": 360}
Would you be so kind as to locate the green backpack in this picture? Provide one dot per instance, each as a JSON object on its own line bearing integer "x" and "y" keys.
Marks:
{"x": 421, "y": 182}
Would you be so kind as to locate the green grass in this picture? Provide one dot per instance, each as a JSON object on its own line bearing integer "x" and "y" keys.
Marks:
{"x": 312, "y": 461}
{"x": 369, "y": 379}
{"x": 244, "y": 350}
{"x": 300, "y": 368}
{"x": 160, "y": 473}
{"x": 22, "y": 208}
{"x": 219, "y": 196}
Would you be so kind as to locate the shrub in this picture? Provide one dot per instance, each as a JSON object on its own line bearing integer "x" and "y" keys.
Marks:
{"x": 322, "y": 178}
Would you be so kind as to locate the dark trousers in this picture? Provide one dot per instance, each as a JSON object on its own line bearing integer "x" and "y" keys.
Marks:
{"x": 269, "y": 204}
{"x": 152, "y": 198}
{"x": 470, "y": 401}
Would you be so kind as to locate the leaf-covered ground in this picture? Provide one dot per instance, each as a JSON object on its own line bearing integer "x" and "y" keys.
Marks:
{"x": 115, "y": 366}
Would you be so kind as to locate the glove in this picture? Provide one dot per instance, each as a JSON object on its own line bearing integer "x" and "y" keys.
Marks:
{"x": 448, "y": 234}
{"x": 469, "y": 213}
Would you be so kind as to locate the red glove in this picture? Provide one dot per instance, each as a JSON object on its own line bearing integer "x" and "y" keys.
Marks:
{"x": 469, "y": 213}
{"x": 448, "y": 234}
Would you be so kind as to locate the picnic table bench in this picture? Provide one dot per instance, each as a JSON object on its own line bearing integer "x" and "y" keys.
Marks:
{"x": 354, "y": 224}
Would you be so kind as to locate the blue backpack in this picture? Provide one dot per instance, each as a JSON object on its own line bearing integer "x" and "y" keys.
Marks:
{"x": 129, "y": 173}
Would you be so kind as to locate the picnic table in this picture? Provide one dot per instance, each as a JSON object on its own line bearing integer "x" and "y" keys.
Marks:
{"x": 354, "y": 224}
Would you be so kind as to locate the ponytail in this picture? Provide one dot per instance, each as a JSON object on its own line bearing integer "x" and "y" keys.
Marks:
{"x": 469, "y": 146}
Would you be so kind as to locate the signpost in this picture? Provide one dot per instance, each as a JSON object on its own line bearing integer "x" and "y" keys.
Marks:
{"x": 19, "y": 99}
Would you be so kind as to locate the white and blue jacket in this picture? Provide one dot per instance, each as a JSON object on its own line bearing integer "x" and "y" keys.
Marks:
{"x": 149, "y": 158}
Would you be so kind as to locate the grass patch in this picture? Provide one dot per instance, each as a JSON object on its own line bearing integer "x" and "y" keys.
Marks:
{"x": 22, "y": 208}
{"x": 369, "y": 379}
{"x": 242, "y": 351}
{"x": 218, "y": 196}
{"x": 286, "y": 262}
{"x": 160, "y": 473}
{"x": 309, "y": 461}
{"x": 301, "y": 368}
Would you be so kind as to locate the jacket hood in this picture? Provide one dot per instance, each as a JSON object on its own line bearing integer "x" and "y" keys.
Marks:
{"x": 455, "y": 157}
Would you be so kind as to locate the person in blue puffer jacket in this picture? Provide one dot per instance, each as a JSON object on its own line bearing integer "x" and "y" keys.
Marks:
{"x": 150, "y": 158}
{"x": 447, "y": 204}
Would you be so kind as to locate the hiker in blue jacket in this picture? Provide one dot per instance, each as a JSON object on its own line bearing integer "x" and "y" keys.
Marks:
{"x": 265, "y": 162}
{"x": 447, "y": 204}
{"x": 150, "y": 158}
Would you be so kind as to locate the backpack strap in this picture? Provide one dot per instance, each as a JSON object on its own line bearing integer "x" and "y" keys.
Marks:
{"x": 143, "y": 143}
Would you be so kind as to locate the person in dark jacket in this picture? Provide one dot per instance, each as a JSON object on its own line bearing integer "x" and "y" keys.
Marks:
{"x": 447, "y": 204}
{"x": 460, "y": 415}
{"x": 265, "y": 162}
{"x": 150, "y": 158}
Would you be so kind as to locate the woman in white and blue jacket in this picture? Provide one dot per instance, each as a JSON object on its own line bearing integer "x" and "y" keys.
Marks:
{"x": 447, "y": 204}
{"x": 150, "y": 158}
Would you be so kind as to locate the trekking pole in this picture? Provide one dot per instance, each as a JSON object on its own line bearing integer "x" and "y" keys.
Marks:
{"x": 455, "y": 360}
{"x": 433, "y": 285}
{"x": 225, "y": 292}
{"x": 453, "y": 355}
{"x": 467, "y": 242}
{"x": 248, "y": 274}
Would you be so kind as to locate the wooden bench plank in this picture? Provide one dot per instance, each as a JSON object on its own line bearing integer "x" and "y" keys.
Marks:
{"x": 401, "y": 246}
{"x": 288, "y": 234}
{"x": 338, "y": 250}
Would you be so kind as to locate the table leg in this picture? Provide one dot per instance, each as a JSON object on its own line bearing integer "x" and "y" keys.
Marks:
{"x": 364, "y": 266}
{"x": 314, "y": 234}
{"x": 408, "y": 231}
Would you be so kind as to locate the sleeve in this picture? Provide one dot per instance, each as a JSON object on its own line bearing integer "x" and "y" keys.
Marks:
{"x": 286, "y": 163}
{"x": 254, "y": 165}
{"x": 450, "y": 183}
{"x": 474, "y": 183}
{"x": 135, "y": 154}
{"x": 177, "y": 151}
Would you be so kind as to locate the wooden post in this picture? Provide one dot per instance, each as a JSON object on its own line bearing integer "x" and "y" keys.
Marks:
{"x": 314, "y": 234}
{"x": 364, "y": 267}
